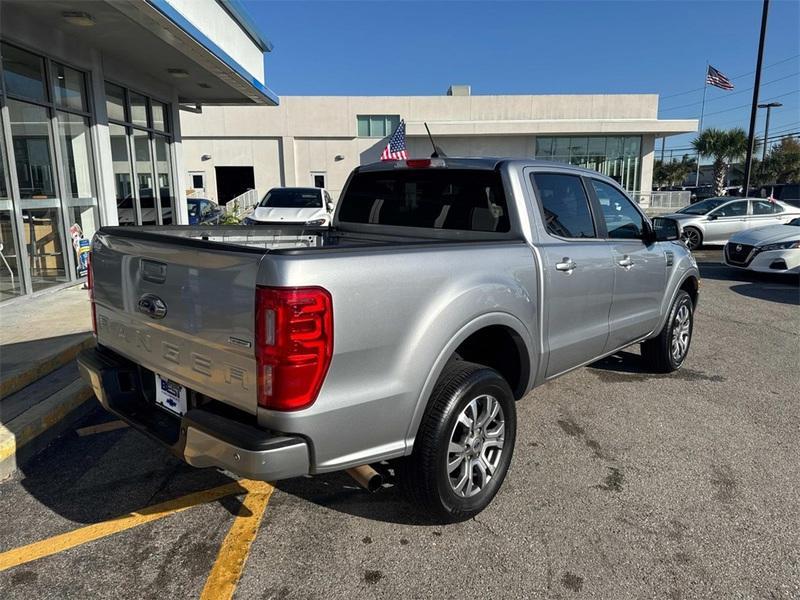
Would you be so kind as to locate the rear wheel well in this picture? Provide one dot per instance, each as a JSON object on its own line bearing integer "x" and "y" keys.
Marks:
{"x": 502, "y": 349}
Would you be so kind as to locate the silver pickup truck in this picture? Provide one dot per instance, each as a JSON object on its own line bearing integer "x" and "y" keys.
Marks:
{"x": 445, "y": 290}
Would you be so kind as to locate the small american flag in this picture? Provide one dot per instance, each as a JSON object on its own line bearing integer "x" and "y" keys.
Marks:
{"x": 717, "y": 79}
{"x": 396, "y": 148}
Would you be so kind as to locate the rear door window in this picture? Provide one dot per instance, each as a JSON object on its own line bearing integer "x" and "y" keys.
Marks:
{"x": 765, "y": 207}
{"x": 433, "y": 198}
{"x": 565, "y": 205}
{"x": 734, "y": 209}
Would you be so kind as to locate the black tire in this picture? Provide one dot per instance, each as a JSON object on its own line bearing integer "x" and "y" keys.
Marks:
{"x": 424, "y": 476}
{"x": 692, "y": 237}
{"x": 658, "y": 353}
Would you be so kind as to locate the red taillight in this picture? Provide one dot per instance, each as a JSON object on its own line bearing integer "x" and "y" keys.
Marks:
{"x": 294, "y": 345}
{"x": 90, "y": 286}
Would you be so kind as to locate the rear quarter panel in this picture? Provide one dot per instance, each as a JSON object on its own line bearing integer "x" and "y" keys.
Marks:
{"x": 398, "y": 314}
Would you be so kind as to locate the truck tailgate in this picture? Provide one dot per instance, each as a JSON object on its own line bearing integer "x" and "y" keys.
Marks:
{"x": 183, "y": 313}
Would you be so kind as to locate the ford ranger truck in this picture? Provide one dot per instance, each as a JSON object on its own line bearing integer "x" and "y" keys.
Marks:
{"x": 445, "y": 291}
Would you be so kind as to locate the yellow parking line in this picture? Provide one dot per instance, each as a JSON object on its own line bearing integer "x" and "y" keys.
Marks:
{"x": 228, "y": 567}
{"x": 90, "y": 533}
{"x": 101, "y": 428}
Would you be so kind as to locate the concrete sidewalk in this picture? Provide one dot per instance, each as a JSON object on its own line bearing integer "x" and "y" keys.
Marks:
{"x": 40, "y": 388}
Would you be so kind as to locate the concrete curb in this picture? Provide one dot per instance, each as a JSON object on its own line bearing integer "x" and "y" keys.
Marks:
{"x": 43, "y": 367}
{"x": 30, "y": 432}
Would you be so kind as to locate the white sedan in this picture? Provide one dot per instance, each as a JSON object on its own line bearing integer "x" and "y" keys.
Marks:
{"x": 773, "y": 249}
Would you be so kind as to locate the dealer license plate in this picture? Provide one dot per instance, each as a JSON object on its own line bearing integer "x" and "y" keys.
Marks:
{"x": 170, "y": 395}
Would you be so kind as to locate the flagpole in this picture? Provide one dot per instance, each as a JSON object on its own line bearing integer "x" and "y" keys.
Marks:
{"x": 700, "y": 130}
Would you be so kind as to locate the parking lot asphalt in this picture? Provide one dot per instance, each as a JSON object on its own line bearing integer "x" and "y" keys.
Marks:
{"x": 623, "y": 485}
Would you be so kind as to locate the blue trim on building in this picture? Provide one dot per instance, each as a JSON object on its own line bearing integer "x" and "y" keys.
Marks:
{"x": 240, "y": 14}
{"x": 166, "y": 9}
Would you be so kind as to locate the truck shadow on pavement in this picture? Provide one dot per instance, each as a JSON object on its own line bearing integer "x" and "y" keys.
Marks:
{"x": 338, "y": 492}
{"x": 99, "y": 477}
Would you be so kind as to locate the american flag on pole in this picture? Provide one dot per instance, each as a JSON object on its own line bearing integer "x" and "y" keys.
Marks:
{"x": 396, "y": 148}
{"x": 717, "y": 79}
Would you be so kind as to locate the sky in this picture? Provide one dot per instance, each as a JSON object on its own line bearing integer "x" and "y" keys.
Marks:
{"x": 567, "y": 47}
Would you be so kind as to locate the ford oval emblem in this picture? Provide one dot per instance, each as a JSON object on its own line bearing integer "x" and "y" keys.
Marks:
{"x": 152, "y": 306}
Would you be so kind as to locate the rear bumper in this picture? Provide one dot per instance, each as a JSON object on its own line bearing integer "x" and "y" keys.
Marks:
{"x": 203, "y": 437}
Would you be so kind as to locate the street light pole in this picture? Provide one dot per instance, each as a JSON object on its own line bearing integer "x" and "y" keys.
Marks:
{"x": 769, "y": 106}
{"x": 754, "y": 108}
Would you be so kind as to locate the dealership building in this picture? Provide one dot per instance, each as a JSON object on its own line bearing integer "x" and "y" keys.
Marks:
{"x": 317, "y": 141}
{"x": 90, "y": 130}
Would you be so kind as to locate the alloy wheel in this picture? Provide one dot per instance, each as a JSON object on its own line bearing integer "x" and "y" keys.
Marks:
{"x": 476, "y": 445}
{"x": 681, "y": 332}
{"x": 691, "y": 238}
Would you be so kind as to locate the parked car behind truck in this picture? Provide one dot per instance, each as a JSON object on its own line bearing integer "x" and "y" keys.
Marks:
{"x": 298, "y": 205}
{"x": 446, "y": 290}
{"x": 715, "y": 220}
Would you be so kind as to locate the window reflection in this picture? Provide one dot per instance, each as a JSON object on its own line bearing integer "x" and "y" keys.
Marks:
{"x": 23, "y": 73}
{"x": 115, "y": 102}
{"x": 41, "y": 214}
{"x": 615, "y": 156}
{"x": 138, "y": 109}
{"x": 144, "y": 176}
{"x": 69, "y": 87}
{"x": 80, "y": 201}
{"x": 164, "y": 179}
{"x": 33, "y": 158}
{"x": 10, "y": 283}
{"x": 122, "y": 175}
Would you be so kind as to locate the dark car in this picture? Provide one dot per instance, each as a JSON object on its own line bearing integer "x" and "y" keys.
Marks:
{"x": 203, "y": 211}
{"x": 785, "y": 192}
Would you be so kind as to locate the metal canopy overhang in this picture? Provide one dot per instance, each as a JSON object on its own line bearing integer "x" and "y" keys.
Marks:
{"x": 151, "y": 37}
{"x": 238, "y": 77}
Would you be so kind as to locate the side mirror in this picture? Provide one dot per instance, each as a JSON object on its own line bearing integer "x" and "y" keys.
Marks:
{"x": 666, "y": 229}
{"x": 712, "y": 217}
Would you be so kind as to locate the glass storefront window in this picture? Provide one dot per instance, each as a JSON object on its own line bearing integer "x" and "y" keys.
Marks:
{"x": 70, "y": 87}
{"x": 619, "y": 157}
{"x": 159, "y": 115}
{"x": 144, "y": 176}
{"x": 138, "y": 109}
{"x": 73, "y": 134}
{"x": 122, "y": 174}
{"x": 41, "y": 209}
{"x": 141, "y": 157}
{"x": 10, "y": 282}
{"x": 23, "y": 73}
{"x": 163, "y": 171}
{"x": 32, "y": 152}
{"x": 115, "y": 102}
{"x": 80, "y": 201}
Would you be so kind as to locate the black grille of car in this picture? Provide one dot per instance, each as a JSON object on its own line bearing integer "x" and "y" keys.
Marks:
{"x": 738, "y": 254}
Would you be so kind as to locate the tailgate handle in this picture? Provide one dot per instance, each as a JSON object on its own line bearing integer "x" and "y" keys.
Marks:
{"x": 152, "y": 271}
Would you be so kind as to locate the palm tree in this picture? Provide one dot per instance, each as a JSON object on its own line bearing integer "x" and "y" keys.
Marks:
{"x": 724, "y": 147}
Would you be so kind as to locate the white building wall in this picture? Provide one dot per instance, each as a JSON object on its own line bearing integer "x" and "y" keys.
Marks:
{"x": 319, "y": 134}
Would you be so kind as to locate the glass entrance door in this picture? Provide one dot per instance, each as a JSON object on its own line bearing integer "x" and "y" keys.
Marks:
{"x": 38, "y": 201}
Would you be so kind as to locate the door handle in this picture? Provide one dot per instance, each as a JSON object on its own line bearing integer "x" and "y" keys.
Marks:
{"x": 625, "y": 262}
{"x": 566, "y": 265}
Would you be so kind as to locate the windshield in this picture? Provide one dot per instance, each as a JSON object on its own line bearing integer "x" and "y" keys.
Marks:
{"x": 194, "y": 208}
{"x": 704, "y": 206}
{"x": 292, "y": 198}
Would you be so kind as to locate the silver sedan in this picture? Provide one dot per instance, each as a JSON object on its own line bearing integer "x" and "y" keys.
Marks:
{"x": 714, "y": 220}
